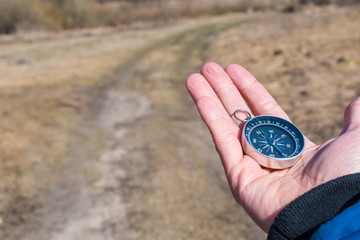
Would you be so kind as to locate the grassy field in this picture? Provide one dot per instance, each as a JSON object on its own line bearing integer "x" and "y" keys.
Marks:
{"x": 100, "y": 139}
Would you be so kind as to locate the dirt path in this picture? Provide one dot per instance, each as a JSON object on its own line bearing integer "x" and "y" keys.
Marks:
{"x": 167, "y": 176}
{"x": 127, "y": 156}
{"x": 132, "y": 165}
{"x": 172, "y": 175}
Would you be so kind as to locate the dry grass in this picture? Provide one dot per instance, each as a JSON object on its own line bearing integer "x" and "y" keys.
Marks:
{"x": 66, "y": 57}
{"x": 50, "y": 59}
{"x": 54, "y": 15}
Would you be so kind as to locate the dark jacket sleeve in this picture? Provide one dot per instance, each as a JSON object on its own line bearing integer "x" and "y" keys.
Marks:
{"x": 302, "y": 217}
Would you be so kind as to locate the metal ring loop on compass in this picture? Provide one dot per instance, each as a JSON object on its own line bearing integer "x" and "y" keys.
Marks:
{"x": 243, "y": 111}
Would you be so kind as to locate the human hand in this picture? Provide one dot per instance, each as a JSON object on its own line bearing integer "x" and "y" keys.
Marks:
{"x": 265, "y": 192}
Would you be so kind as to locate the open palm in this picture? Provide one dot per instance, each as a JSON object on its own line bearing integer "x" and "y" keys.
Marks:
{"x": 265, "y": 192}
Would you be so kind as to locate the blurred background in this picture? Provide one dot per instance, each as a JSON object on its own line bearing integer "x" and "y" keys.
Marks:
{"x": 99, "y": 138}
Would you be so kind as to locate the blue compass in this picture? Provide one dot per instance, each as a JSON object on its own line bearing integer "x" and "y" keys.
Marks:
{"x": 272, "y": 141}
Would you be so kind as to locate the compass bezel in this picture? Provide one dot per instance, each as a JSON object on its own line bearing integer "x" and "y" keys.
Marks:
{"x": 266, "y": 160}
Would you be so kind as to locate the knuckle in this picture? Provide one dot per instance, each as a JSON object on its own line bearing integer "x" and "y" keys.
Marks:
{"x": 268, "y": 106}
{"x": 226, "y": 88}
{"x": 251, "y": 85}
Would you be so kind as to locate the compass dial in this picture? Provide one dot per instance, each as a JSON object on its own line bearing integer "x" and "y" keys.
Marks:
{"x": 274, "y": 137}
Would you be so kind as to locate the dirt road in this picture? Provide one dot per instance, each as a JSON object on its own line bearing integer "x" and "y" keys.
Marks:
{"x": 125, "y": 156}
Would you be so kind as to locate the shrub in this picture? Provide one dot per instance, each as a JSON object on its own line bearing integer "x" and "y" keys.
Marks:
{"x": 13, "y": 13}
{"x": 325, "y": 2}
{"x": 46, "y": 14}
{"x": 78, "y": 14}
{"x": 56, "y": 15}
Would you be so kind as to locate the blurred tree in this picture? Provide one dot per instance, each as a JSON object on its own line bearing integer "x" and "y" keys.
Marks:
{"x": 78, "y": 14}
{"x": 13, "y": 14}
{"x": 325, "y": 2}
{"x": 316, "y": 2}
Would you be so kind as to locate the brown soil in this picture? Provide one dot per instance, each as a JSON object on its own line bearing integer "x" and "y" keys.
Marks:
{"x": 100, "y": 140}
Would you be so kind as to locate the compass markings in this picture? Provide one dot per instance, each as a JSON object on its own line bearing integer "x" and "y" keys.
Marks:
{"x": 273, "y": 137}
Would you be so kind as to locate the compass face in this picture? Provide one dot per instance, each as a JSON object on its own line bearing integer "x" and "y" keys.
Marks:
{"x": 274, "y": 137}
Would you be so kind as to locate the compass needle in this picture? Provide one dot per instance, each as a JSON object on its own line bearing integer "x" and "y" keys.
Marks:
{"x": 281, "y": 151}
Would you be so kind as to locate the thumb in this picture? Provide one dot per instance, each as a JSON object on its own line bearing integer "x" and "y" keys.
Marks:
{"x": 352, "y": 115}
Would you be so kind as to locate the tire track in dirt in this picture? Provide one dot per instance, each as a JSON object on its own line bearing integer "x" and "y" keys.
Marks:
{"x": 172, "y": 176}
{"x": 143, "y": 166}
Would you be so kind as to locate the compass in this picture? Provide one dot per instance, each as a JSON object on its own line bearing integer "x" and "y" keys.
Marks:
{"x": 272, "y": 141}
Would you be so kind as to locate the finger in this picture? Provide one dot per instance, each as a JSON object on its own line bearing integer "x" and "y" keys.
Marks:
{"x": 240, "y": 170}
{"x": 259, "y": 99}
{"x": 224, "y": 88}
{"x": 352, "y": 115}
{"x": 226, "y": 141}
{"x": 199, "y": 88}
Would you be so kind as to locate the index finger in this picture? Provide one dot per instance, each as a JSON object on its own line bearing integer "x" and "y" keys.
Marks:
{"x": 255, "y": 94}
{"x": 259, "y": 99}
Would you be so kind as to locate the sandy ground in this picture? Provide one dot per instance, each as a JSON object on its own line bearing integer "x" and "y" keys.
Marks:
{"x": 100, "y": 140}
